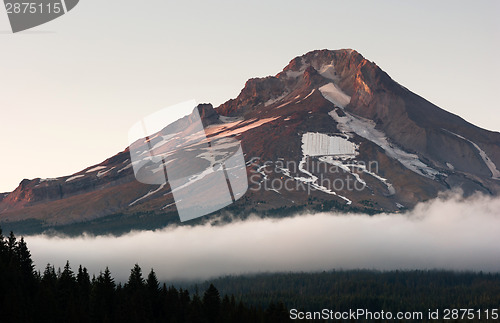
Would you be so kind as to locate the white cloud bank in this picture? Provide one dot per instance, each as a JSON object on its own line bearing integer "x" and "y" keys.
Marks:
{"x": 446, "y": 233}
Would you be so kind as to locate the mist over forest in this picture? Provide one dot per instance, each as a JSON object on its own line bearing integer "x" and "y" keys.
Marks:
{"x": 451, "y": 232}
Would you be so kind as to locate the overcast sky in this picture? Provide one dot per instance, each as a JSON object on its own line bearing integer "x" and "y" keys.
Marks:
{"x": 70, "y": 89}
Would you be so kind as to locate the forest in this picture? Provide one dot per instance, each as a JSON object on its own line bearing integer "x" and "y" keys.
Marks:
{"x": 73, "y": 296}
{"x": 67, "y": 295}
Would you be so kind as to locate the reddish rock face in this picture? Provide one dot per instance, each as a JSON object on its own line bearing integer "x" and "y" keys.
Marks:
{"x": 269, "y": 117}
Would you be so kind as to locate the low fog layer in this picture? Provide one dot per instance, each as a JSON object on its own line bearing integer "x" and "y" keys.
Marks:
{"x": 446, "y": 233}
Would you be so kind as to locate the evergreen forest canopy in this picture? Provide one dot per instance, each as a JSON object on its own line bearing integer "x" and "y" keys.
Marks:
{"x": 63, "y": 295}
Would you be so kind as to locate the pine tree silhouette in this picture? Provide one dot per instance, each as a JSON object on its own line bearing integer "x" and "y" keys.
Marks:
{"x": 211, "y": 303}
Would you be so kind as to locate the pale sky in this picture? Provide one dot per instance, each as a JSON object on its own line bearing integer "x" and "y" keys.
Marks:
{"x": 71, "y": 89}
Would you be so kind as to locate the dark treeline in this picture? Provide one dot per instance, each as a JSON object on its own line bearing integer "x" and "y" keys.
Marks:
{"x": 417, "y": 290}
{"x": 68, "y": 296}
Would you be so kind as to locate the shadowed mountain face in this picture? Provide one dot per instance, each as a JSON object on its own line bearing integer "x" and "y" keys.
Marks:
{"x": 332, "y": 130}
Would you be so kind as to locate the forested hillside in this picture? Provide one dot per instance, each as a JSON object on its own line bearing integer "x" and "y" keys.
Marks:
{"x": 417, "y": 290}
{"x": 64, "y": 295}
{"x": 67, "y": 296}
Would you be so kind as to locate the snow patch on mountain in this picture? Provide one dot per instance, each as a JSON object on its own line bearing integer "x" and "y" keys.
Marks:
{"x": 328, "y": 71}
{"x": 362, "y": 167}
{"x": 313, "y": 181}
{"x": 47, "y": 179}
{"x": 160, "y": 166}
{"x": 275, "y": 190}
{"x": 42, "y": 180}
{"x": 306, "y": 96}
{"x": 164, "y": 140}
{"x": 104, "y": 172}
{"x": 229, "y": 119}
{"x": 194, "y": 178}
{"x": 495, "y": 173}
{"x": 73, "y": 178}
{"x": 95, "y": 169}
{"x": 345, "y": 168}
{"x": 261, "y": 170}
{"x": 219, "y": 151}
{"x": 221, "y": 132}
{"x": 169, "y": 205}
{"x": 274, "y": 100}
{"x": 366, "y": 128}
{"x": 282, "y": 105}
{"x": 232, "y": 127}
{"x": 125, "y": 168}
{"x": 318, "y": 144}
{"x": 294, "y": 74}
{"x": 334, "y": 94}
{"x": 300, "y": 72}
{"x": 148, "y": 194}
{"x": 130, "y": 165}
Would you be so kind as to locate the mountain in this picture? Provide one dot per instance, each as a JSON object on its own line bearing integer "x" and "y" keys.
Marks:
{"x": 331, "y": 131}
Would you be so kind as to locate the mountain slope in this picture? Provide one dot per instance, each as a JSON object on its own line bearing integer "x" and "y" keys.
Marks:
{"x": 332, "y": 130}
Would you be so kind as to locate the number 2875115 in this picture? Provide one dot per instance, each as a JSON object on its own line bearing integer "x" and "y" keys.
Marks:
{"x": 32, "y": 7}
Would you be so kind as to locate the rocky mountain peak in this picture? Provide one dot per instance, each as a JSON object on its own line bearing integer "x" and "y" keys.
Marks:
{"x": 208, "y": 114}
{"x": 326, "y": 108}
{"x": 346, "y": 68}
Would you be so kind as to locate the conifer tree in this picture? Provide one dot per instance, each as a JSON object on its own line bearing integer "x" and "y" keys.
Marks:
{"x": 102, "y": 296}
{"x": 152, "y": 282}
{"x": 3, "y": 246}
{"x": 153, "y": 291}
{"x": 47, "y": 305}
{"x": 196, "y": 310}
{"x": 135, "y": 280}
{"x": 211, "y": 303}
{"x": 84, "y": 288}
{"x": 67, "y": 292}
{"x": 25, "y": 262}
{"x": 138, "y": 308}
{"x": 11, "y": 246}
